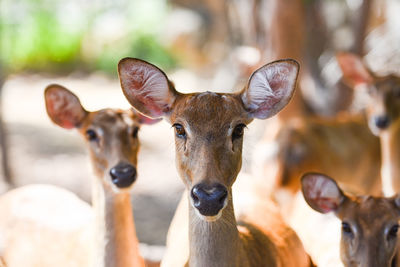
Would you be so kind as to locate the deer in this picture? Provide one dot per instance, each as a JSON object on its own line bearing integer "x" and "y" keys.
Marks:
{"x": 105, "y": 235}
{"x": 369, "y": 225}
{"x": 209, "y": 129}
{"x": 383, "y": 109}
{"x": 111, "y": 136}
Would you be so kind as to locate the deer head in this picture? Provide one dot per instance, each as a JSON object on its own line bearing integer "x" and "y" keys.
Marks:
{"x": 208, "y": 126}
{"x": 111, "y": 135}
{"x": 383, "y": 107}
{"x": 369, "y": 224}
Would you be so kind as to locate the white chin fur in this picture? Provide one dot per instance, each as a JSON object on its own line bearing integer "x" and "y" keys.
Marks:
{"x": 375, "y": 130}
{"x": 209, "y": 218}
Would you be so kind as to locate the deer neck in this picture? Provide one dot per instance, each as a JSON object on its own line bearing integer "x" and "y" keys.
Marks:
{"x": 390, "y": 149}
{"x": 116, "y": 243}
{"x": 214, "y": 244}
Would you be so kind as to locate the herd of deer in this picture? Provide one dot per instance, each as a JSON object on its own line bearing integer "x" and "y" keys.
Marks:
{"x": 43, "y": 226}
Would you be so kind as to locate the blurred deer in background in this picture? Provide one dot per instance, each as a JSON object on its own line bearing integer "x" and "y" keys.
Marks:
{"x": 383, "y": 109}
{"x": 343, "y": 146}
{"x": 209, "y": 130}
{"x": 369, "y": 224}
{"x": 55, "y": 228}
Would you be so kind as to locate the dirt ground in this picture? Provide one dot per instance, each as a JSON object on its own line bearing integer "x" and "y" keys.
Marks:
{"x": 41, "y": 152}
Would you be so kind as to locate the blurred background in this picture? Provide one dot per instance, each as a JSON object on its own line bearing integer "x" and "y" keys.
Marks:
{"x": 201, "y": 44}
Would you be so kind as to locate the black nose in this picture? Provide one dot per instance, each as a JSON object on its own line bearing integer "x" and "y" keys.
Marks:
{"x": 209, "y": 199}
{"x": 123, "y": 174}
{"x": 382, "y": 122}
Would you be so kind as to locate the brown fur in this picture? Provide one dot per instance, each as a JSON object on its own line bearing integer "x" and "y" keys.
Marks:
{"x": 342, "y": 146}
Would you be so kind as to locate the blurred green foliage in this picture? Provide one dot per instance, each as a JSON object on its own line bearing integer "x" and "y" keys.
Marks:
{"x": 58, "y": 36}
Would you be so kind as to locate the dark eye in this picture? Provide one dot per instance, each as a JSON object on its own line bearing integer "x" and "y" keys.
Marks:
{"x": 179, "y": 130}
{"x": 393, "y": 231}
{"x": 238, "y": 131}
{"x": 91, "y": 135}
{"x": 346, "y": 228}
{"x": 135, "y": 132}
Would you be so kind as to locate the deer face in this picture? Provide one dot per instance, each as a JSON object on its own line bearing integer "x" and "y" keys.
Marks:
{"x": 209, "y": 142}
{"x": 111, "y": 136}
{"x": 369, "y": 224}
{"x": 383, "y": 107}
{"x": 208, "y": 126}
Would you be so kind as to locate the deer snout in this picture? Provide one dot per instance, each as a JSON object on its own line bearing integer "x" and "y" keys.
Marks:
{"x": 123, "y": 175}
{"x": 382, "y": 122}
{"x": 209, "y": 200}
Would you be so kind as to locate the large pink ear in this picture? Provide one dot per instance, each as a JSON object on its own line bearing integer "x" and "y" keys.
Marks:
{"x": 146, "y": 87}
{"x": 321, "y": 192}
{"x": 63, "y": 107}
{"x": 354, "y": 70}
{"x": 270, "y": 88}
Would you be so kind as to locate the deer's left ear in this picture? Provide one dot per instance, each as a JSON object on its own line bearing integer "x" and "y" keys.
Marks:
{"x": 270, "y": 88}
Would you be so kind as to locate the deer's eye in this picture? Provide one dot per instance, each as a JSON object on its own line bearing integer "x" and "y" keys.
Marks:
{"x": 135, "y": 132}
{"x": 346, "y": 229}
{"x": 91, "y": 135}
{"x": 393, "y": 231}
{"x": 238, "y": 131}
{"x": 179, "y": 131}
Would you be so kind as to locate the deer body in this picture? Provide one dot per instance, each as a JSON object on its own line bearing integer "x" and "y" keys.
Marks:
{"x": 390, "y": 145}
{"x": 44, "y": 225}
{"x": 343, "y": 146}
{"x": 209, "y": 129}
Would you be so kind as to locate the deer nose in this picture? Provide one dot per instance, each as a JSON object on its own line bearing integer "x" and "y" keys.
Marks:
{"x": 382, "y": 122}
{"x": 209, "y": 199}
{"x": 123, "y": 175}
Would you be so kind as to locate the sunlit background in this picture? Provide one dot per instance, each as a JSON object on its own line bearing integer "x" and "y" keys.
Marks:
{"x": 201, "y": 44}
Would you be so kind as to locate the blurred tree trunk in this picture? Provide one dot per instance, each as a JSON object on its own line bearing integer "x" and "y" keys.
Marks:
{"x": 286, "y": 31}
{"x": 360, "y": 27}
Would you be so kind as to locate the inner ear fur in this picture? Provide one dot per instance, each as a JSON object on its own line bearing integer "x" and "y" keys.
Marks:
{"x": 63, "y": 107}
{"x": 270, "y": 88}
{"x": 321, "y": 192}
{"x": 146, "y": 87}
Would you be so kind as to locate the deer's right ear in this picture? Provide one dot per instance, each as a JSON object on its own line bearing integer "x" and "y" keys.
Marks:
{"x": 63, "y": 107}
{"x": 353, "y": 68}
{"x": 321, "y": 192}
{"x": 146, "y": 87}
{"x": 270, "y": 88}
